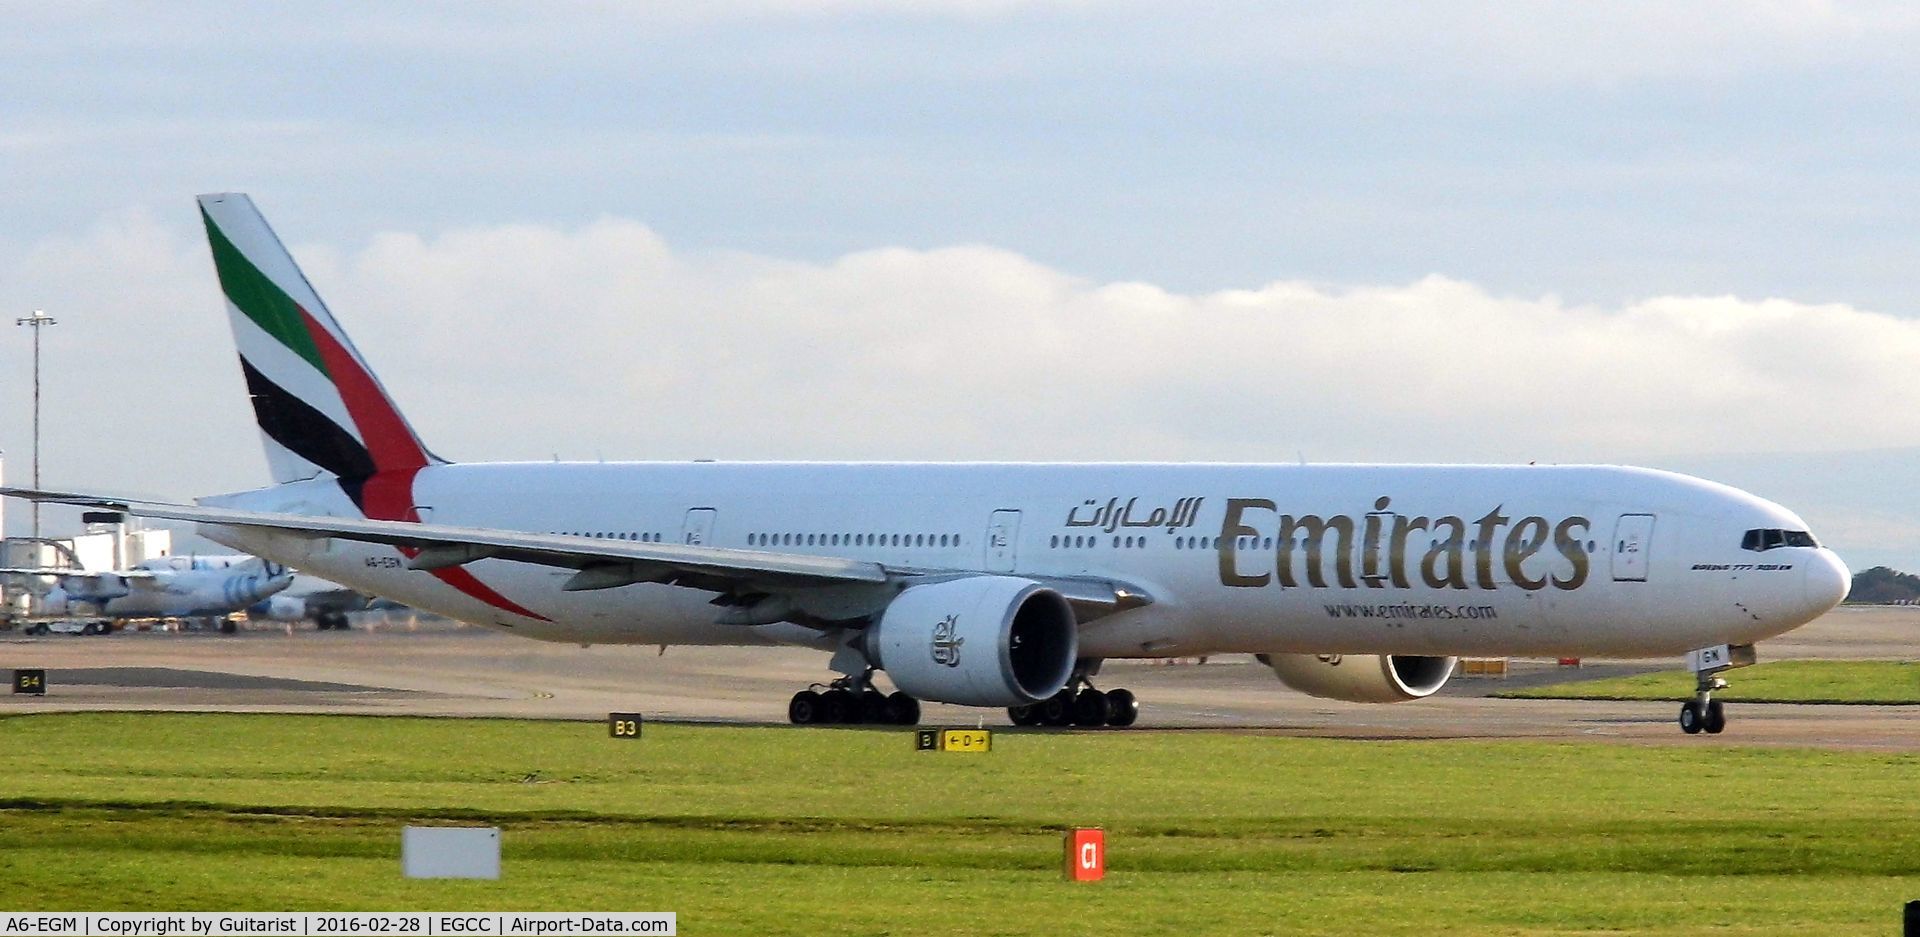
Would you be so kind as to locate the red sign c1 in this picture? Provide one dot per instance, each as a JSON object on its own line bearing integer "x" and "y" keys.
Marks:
{"x": 1086, "y": 854}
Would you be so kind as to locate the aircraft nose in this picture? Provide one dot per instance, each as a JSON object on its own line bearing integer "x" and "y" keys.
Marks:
{"x": 1826, "y": 581}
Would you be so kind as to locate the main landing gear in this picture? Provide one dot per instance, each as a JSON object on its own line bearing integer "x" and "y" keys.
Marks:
{"x": 1703, "y": 713}
{"x": 1079, "y": 706}
{"x": 852, "y": 701}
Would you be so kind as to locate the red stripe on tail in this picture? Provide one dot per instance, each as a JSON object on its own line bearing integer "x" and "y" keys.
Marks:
{"x": 387, "y": 438}
{"x": 397, "y": 458}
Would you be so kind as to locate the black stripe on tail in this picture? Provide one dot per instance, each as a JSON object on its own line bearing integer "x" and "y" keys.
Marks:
{"x": 305, "y": 431}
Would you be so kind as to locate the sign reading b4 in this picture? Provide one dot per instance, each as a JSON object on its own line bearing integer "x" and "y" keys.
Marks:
{"x": 33, "y": 682}
{"x": 1086, "y": 854}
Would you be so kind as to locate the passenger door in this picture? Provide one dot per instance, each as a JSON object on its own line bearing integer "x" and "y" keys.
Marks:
{"x": 1632, "y": 545}
{"x": 699, "y": 528}
{"x": 1003, "y": 532}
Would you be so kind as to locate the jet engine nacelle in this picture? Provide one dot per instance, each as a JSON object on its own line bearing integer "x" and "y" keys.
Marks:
{"x": 51, "y": 605}
{"x": 1361, "y": 678}
{"x": 95, "y": 589}
{"x": 280, "y": 608}
{"x": 978, "y": 641}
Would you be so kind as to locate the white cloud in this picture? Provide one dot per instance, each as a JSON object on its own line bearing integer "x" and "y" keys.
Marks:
{"x": 603, "y": 339}
{"x": 139, "y": 361}
{"x": 520, "y": 341}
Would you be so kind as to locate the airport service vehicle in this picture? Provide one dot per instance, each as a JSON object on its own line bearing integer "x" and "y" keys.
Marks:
{"x": 68, "y": 626}
{"x": 993, "y": 584}
{"x": 183, "y": 587}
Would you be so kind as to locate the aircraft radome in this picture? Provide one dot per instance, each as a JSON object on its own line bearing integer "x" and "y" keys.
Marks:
{"x": 989, "y": 584}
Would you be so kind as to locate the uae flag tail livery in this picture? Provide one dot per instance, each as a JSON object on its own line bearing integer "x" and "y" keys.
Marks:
{"x": 321, "y": 409}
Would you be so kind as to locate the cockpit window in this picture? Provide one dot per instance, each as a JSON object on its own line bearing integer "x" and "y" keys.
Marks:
{"x": 1763, "y": 539}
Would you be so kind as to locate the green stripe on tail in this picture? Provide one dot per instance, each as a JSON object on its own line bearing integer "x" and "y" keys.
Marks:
{"x": 253, "y": 294}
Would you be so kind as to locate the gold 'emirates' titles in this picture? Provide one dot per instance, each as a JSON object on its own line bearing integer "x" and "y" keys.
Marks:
{"x": 1443, "y": 565}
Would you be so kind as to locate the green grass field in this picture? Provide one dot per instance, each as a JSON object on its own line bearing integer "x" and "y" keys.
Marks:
{"x": 1789, "y": 681}
{"x": 789, "y": 831}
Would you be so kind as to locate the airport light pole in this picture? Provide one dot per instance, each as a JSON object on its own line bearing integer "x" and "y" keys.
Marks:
{"x": 35, "y": 321}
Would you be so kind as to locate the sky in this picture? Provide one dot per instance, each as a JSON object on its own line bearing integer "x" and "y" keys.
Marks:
{"x": 1661, "y": 234}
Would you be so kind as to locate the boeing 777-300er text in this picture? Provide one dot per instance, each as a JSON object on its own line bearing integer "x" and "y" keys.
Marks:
{"x": 993, "y": 584}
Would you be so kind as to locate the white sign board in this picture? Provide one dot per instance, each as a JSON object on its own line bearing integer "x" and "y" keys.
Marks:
{"x": 450, "y": 852}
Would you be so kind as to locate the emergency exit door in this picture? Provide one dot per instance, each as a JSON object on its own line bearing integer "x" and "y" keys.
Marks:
{"x": 1632, "y": 545}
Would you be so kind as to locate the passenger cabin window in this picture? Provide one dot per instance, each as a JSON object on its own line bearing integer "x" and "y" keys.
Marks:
{"x": 1762, "y": 539}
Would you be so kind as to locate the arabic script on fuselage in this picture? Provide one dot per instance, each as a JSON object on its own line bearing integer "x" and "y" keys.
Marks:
{"x": 1114, "y": 515}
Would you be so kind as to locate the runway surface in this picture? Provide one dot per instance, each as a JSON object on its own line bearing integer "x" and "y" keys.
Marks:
{"x": 443, "y": 669}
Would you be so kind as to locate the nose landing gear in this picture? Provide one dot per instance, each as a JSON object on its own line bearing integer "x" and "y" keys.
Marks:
{"x": 1703, "y": 713}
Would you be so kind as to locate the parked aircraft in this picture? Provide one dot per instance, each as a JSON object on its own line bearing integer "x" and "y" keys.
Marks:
{"x": 310, "y": 598}
{"x": 993, "y": 584}
{"x": 207, "y": 587}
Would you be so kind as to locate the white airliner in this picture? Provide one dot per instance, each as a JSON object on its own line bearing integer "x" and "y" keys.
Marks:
{"x": 993, "y": 584}
{"x": 210, "y": 587}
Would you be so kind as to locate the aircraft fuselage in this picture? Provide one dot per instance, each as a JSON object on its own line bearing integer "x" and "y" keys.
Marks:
{"x": 1324, "y": 559}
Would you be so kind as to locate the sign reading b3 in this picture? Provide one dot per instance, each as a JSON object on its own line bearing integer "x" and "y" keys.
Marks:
{"x": 623, "y": 725}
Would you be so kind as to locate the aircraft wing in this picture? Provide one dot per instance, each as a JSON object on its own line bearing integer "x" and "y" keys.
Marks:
{"x": 747, "y": 577}
{"x": 70, "y": 573}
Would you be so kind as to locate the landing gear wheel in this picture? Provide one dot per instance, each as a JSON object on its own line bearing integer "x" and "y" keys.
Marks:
{"x": 902, "y": 710}
{"x": 229, "y": 627}
{"x": 1055, "y": 710}
{"x": 1690, "y": 718}
{"x": 804, "y": 708}
{"x": 838, "y": 707}
{"x": 1704, "y": 713}
{"x": 1122, "y": 708}
{"x": 1716, "y": 720}
{"x": 1028, "y": 715}
{"x": 1090, "y": 708}
{"x": 872, "y": 707}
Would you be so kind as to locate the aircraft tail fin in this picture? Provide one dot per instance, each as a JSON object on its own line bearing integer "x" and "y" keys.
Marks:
{"x": 320, "y": 408}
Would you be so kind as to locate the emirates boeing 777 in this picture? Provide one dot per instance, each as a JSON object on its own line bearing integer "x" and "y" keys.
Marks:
{"x": 990, "y": 584}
